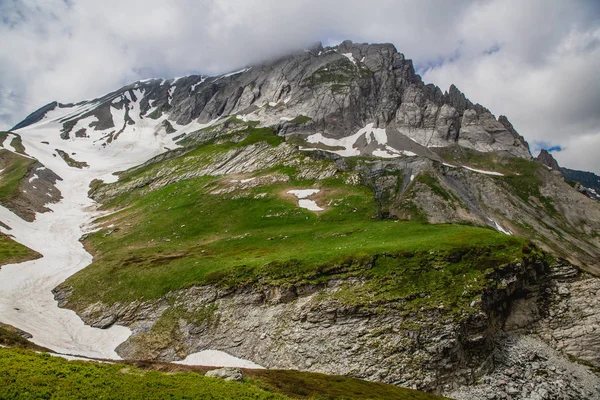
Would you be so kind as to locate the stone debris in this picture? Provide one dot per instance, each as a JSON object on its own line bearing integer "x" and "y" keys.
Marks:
{"x": 228, "y": 374}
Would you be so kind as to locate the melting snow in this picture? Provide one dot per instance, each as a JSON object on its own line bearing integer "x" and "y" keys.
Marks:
{"x": 349, "y": 57}
{"x": 232, "y": 73}
{"x": 347, "y": 142}
{"x": 33, "y": 178}
{"x": 499, "y": 228}
{"x": 216, "y": 358}
{"x": 193, "y": 87}
{"x": 26, "y": 299}
{"x": 377, "y": 135}
{"x": 171, "y": 91}
{"x": 481, "y": 171}
{"x": 303, "y": 202}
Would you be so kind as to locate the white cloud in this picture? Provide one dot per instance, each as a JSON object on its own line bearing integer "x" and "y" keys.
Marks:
{"x": 540, "y": 73}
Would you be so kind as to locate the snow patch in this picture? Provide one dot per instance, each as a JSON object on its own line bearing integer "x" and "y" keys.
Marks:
{"x": 376, "y": 135}
{"x": 241, "y": 71}
{"x": 216, "y": 358}
{"x": 350, "y": 57}
{"x": 26, "y": 299}
{"x": 500, "y": 228}
{"x": 347, "y": 142}
{"x": 303, "y": 202}
{"x": 482, "y": 171}
{"x": 384, "y": 154}
{"x": 193, "y": 87}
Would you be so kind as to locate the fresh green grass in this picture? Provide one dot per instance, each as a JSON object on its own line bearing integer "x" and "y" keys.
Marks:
{"x": 28, "y": 375}
{"x": 15, "y": 169}
{"x": 181, "y": 235}
{"x": 13, "y": 252}
{"x": 300, "y": 120}
{"x": 10, "y": 337}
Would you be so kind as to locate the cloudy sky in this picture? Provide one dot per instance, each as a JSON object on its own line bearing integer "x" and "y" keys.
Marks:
{"x": 535, "y": 61}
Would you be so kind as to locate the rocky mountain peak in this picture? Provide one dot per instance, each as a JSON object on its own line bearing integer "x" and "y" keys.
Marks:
{"x": 546, "y": 158}
{"x": 338, "y": 90}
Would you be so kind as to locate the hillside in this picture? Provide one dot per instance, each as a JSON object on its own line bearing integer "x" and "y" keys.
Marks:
{"x": 34, "y": 375}
{"x": 327, "y": 211}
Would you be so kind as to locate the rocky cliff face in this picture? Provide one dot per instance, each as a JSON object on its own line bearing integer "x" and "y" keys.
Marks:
{"x": 305, "y": 327}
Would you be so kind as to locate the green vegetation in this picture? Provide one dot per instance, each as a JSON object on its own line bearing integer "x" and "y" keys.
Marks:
{"x": 431, "y": 181}
{"x": 523, "y": 176}
{"x": 12, "y": 252}
{"x": 15, "y": 168}
{"x": 340, "y": 73}
{"x": 306, "y": 385}
{"x": 16, "y": 142}
{"x": 70, "y": 161}
{"x": 588, "y": 364}
{"x": 300, "y": 120}
{"x": 28, "y": 375}
{"x": 12, "y": 337}
{"x": 195, "y": 232}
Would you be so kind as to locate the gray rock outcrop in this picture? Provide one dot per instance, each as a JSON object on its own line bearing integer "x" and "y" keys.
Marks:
{"x": 546, "y": 158}
{"x": 227, "y": 374}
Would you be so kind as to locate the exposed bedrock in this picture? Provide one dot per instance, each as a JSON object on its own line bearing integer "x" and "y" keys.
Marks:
{"x": 303, "y": 327}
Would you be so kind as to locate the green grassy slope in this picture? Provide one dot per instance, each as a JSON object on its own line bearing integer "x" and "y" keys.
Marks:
{"x": 28, "y": 375}
{"x": 11, "y": 337}
{"x": 13, "y": 252}
{"x": 182, "y": 235}
{"x": 15, "y": 167}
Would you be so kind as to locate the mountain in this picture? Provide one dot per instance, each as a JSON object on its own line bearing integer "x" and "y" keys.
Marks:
{"x": 589, "y": 181}
{"x": 586, "y": 183}
{"x": 326, "y": 211}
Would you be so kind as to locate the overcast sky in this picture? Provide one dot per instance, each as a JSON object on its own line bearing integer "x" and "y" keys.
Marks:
{"x": 535, "y": 61}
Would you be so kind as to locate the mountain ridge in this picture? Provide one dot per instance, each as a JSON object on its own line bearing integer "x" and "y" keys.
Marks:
{"x": 394, "y": 94}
